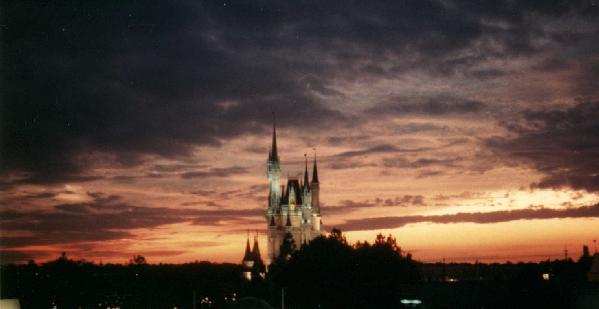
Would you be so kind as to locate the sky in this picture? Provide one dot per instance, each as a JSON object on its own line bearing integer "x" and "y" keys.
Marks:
{"x": 467, "y": 129}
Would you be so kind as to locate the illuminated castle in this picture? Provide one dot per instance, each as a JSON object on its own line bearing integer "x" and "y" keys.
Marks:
{"x": 292, "y": 208}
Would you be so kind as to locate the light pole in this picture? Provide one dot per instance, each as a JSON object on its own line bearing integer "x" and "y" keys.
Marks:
{"x": 194, "y": 299}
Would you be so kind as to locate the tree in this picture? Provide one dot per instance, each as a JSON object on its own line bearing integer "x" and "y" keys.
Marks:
{"x": 138, "y": 260}
{"x": 345, "y": 276}
{"x": 338, "y": 235}
{"x": 287, "y": 247}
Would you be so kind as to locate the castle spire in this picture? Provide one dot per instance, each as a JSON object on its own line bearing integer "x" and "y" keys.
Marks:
{"x": 274, "y": 155}
{"x": 306, "y": 181}
{"x": 248, "y": 252}
{"x": 315, "y": 170}
{"x": 256, "y": 250}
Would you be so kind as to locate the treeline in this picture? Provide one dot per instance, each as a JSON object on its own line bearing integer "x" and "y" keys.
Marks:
{"x": 67, "y": 283}
{"x": 328, "y": 272}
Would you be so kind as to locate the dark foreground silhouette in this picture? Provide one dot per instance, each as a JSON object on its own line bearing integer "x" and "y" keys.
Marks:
{"x": 326, "y": 273}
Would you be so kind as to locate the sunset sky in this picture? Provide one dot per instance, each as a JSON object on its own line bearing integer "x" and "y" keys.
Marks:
{"x": 468, "y": 130}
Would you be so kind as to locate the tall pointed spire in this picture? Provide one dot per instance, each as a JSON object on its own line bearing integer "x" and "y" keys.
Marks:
{"x": 306, "y": 181}
{"x": 315, "y": 170}
{"x": 274, "y": 155}
{"x": 255, "y": 249}
{"x": 248, "y": 252}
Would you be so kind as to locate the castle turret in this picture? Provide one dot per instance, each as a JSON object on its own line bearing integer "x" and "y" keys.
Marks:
{"x": 259, "y": 269}
{"x": 247, "y": 257}
{"x": 248, "y": 261}
{"x": 256, "y": 250}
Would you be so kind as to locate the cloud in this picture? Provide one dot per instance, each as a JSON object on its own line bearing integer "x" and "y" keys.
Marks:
{"x": 475, "y": 217}
{"x": 156, "y": 89}
{"x": 400, "y": 162}
{"x": 464, "y": 195}
{"x": 216, "y": 172}
{"x": 562, "y": 144}
{"x": 348, "y": 164}
{"x": 16, "y": 256}
{"x": 429, "y": 173}
{"x": 426, "y": 106}
{"x": 187, "y": 74}
{"x": 398, "y": 201}
{"x": 106, "y": 217}
{"x": 382, "y": 148}
{"x": 406, "y": 200}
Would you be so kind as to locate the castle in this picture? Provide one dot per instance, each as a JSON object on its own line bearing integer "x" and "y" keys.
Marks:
{"x": 293, "y": 207}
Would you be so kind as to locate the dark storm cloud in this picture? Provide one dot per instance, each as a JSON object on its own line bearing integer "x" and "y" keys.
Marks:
{"x": 130, "y": 80}
{"x": 561, "y": 144}
{"x": 84, "y": 79}
{"x": 476, "y": 217}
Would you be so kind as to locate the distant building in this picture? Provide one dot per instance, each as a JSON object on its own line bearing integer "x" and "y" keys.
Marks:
{"x": 593, "y": 274}
{"x": 253, "y": 266}
{"x": 292, "y": 208}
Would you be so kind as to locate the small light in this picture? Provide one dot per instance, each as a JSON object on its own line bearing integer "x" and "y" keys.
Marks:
{"x": 545, "y": 276}
{"x": 411, "y": 301}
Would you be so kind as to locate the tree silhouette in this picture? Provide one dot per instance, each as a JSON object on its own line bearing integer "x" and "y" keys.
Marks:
{"x": 287, "y": 248}
{"x": 330, "y": 273}
{"x": 138, "y": 260}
